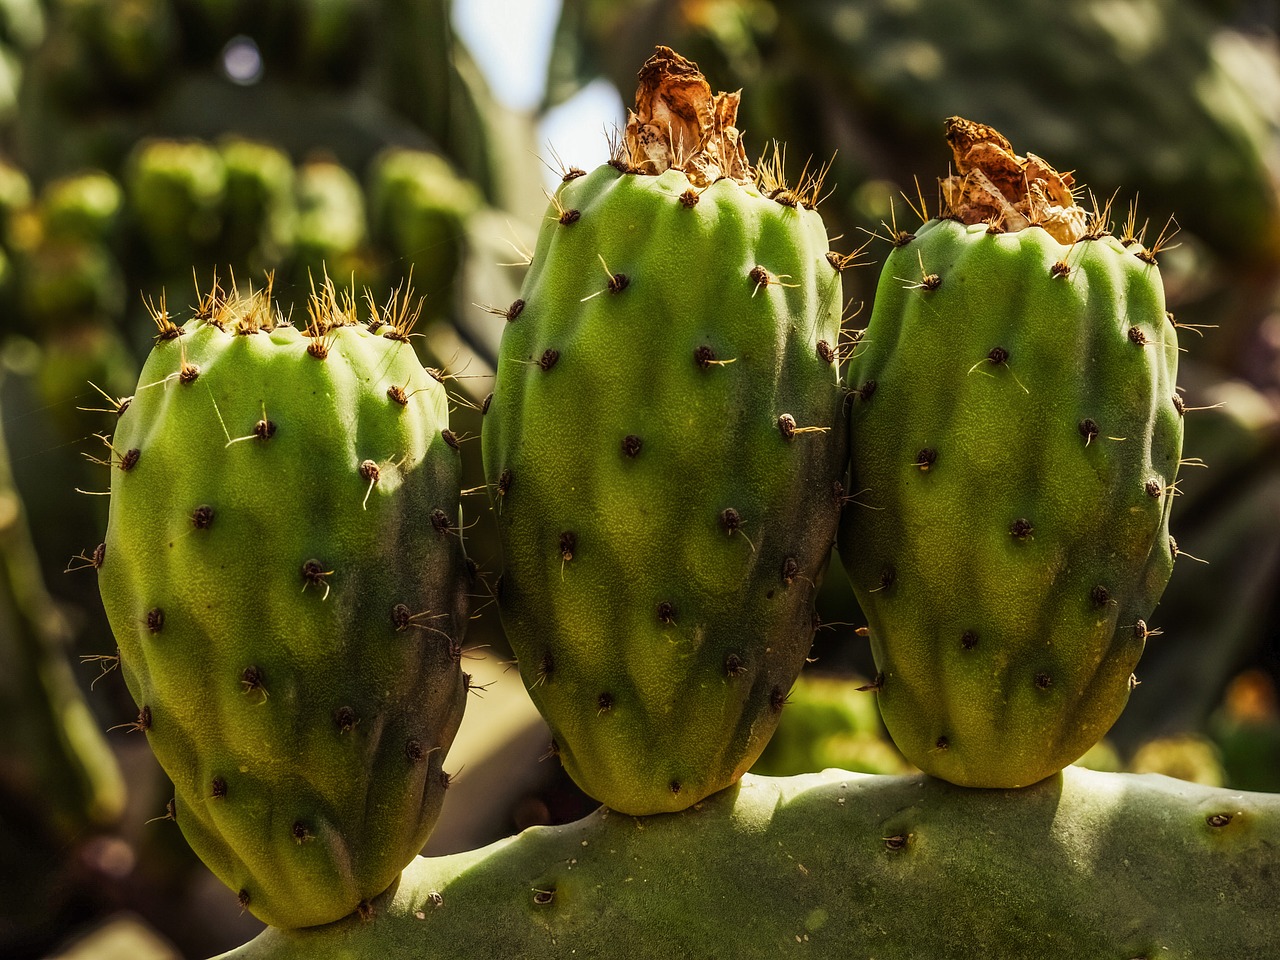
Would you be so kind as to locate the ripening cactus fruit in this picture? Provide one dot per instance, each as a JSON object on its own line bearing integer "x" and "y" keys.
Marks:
{"x": 284, "y": 574}
{"x": 83, "y": 207}
{"x": 1015, "y": 434}
{"x": 331, "y": 232}
{"x": 175, "y": 191}
{"x": 664, "y": 448}
{"x": 419, "y": 208}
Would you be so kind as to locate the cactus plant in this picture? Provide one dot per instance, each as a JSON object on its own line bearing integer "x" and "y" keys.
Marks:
{"x": 53, "y": 757}
{"x": 284, "y": 574}
{"x": 837, "y": 864}
{"x": 1016, "y": 434}
{"x": 664, "y": 447}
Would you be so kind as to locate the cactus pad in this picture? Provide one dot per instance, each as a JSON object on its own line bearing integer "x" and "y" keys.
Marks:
{"x": 835, "y": 865}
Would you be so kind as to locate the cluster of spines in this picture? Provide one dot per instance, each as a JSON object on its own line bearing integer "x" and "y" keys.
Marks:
{"x": 329, "y": 308}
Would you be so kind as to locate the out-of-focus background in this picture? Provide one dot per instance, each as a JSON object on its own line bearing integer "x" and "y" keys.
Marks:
{"x": 143, "y": 139}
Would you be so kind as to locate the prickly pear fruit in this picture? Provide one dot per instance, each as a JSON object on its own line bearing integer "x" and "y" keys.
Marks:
{"x": 175, "y": 190}
{"x": 84, "y": 207}
{"x": 284, "y": 574}
{"x": 663, "y": 448}
{"x": 419, "y": 208}
{"x": 258, "y": 210}
{"x": 1016, "y": 434}
{"x": 331, "y": 232}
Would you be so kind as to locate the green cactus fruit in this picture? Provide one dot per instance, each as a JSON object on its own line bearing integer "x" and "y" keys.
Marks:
{"x": 663, "y": 449}
{"x": 259, "y": 209}
{"x": 22, "y": 29}
{"x": 835, "y": 865}
{"x": 22, "y": 23}
{"x": 84, "y": 207}
{"x": 1015, "y": 434}
{"x": 175, "y": 191}
{"x": 332, "y": 232}
{"x": 68, "y": 284}
{"x": 284, "y": 573}
{"x": 15, "y": 191}
{"x": 1186, "y": 756}
{"x": 419, "y": 207}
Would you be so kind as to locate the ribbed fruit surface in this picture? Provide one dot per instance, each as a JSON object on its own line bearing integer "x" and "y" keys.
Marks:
{"x": 665, "y": 503}
{"x": 285, "y": 578}
{"x": 1015, "y": 438}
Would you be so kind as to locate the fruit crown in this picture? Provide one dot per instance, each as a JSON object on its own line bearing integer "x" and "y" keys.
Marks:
{"x": 678, "y": 123}
{"x": 992, "y": 184}
{"x": 328, "y": 308}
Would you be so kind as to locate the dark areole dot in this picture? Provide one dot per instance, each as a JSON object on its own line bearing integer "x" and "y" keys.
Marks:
{"x": 790, "y": 570}
{"x": 345, "y": 718}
